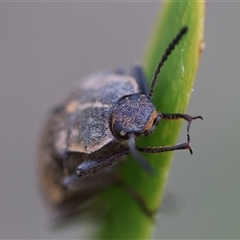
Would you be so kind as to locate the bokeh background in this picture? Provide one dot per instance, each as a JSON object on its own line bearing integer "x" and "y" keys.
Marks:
{"x": 45, "y": 47}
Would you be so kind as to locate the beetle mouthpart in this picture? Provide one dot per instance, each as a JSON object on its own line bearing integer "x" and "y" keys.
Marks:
{"x": 141, "y": 160}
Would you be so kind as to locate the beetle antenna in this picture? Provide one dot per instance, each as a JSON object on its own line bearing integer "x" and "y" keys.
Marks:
{"x": 141, "y": 160}
{"x": 168, "y": 52}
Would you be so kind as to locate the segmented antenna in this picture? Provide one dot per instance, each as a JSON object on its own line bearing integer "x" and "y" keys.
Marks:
{"x": 168, "y": 51}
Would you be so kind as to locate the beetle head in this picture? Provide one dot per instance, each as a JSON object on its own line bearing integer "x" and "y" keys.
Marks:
{"x": 134, "y": 114}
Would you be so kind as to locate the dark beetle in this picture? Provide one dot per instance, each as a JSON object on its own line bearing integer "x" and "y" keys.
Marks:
{"x": 92, "y": 128}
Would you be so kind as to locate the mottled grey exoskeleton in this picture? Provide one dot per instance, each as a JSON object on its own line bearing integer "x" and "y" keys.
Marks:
{"x": 92, "y": 128}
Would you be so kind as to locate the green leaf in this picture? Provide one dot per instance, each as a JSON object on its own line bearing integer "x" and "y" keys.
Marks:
{"x": 125, "y": 220}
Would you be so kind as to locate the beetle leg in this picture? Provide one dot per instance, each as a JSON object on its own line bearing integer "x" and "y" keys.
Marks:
{"x": 62, "y": 161}
{"x": 176, "y": 116}
{"x": 139, "y": 75}
{"x": 135, "y": 195}
{"x": 180, "y": 146}
{"x": 74, "y": 183}
{"x": 74, "y": 204}
{"x": 92, "y": 165}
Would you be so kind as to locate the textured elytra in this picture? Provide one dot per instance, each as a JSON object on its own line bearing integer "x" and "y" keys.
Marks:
{"x": 78, "y": 128}
{"x": 89, "y": 123}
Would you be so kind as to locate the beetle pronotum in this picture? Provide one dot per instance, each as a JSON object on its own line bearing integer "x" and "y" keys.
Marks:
{"x": 93, "y": 127}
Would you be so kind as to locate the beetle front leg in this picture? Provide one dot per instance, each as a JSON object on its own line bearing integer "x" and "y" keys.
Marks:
{"x": 176, "y": 116}
{"x": 90, "y": 166}
{"x": 181, "y": 146}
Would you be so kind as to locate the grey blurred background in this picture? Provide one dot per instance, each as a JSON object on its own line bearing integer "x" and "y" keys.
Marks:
{"x": 45, "y": 47}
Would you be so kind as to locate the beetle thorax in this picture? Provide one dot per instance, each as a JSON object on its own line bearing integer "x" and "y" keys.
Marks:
{"x": 133, "y": 114}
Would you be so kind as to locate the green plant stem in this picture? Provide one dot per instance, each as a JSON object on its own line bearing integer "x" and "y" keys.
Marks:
{"x": 124, "y": 219}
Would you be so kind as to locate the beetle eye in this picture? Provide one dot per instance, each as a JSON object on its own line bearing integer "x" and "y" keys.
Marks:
{"x": 117, "y": 128}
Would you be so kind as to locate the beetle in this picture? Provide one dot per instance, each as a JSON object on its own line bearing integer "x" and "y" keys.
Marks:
{"x": 89, "y": 132}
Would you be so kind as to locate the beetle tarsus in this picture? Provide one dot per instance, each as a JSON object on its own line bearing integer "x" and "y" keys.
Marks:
{"x": 176, "y": 116}
{"x": 188, "y": 142}
{"x": 181, "y": 146}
